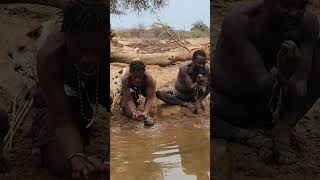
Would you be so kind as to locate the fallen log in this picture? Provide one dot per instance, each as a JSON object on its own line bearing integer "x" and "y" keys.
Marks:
{"x": 156, "y": 58}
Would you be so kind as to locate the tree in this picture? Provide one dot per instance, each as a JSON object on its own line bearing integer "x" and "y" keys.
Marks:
{"x": 199, "y": 25}
{"x": 121, "y": 6}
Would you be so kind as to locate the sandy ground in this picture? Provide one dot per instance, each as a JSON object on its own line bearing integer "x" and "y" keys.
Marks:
{"x": 236, "y": 162}
{"x": 17, "y": 48}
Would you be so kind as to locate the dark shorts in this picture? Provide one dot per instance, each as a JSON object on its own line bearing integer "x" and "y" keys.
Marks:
{"x": 43, "y": 129}
{"x": 183, "y": 96}
{"x": 246, "y": 114}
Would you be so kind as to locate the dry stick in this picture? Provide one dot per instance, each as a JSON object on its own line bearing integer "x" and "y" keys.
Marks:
{"x": 175, "y": 36}
{"x": 174, "y": 39}
{"x": 13, "y": 115}
{"x": 16, "y": 122}
{"x": 13, "y": 124}
{"x": 25, "y": 111}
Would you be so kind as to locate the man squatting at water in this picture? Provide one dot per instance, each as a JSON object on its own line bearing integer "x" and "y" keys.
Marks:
{"x": 4, "y": 128}
{"x": 265, "y": 75}
{"x": 71, "y": 72}
{"x": 135, "y": 82}
{"x": 192, "y": 84}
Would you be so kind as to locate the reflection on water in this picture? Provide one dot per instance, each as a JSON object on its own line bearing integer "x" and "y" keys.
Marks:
{"x": 169, "y": 155}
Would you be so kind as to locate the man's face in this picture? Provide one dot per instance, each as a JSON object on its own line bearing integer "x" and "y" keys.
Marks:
{"x": 86, "y": 48}
{"x": 137, "y": 77}
{"x": 288, "y": 13}
{"x": 199, "y": 62}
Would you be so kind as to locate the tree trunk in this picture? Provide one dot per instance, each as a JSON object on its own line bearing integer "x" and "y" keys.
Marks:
{"x": 154, "y": 59}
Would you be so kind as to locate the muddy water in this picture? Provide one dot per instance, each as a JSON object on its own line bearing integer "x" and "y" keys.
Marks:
{"x": 166, "y": 155}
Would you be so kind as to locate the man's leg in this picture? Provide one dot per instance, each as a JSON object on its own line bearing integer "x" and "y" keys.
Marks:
{"x": 4, "y": 127}
{"x": 169, "y": 97}
{"x": 221, "y": 128}
{"x": 44, "y": 148}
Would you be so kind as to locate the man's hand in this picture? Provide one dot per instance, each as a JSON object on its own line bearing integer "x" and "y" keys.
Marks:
{"x": 143, "y": 115}
{"x": 289, "y": 58}
{"x": 301, "y": 87}
{"x": 200, "y": 79}
{"x": 136, "y": 114}
{"x": 85, "y": 167}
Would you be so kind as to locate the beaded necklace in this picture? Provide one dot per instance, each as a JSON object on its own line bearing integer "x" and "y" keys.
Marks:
{"x": 81, "y": 86}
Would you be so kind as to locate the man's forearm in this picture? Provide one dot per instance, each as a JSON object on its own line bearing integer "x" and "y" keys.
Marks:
{"x": 148, "y": 104}
{"x": 203, "y": 96}
{"x": 68, "y": 137}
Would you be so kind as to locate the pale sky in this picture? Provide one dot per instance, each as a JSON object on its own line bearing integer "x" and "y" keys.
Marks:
{"x": 179, "y": 14}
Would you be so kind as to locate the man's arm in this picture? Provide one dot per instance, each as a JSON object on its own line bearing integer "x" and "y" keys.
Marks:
{"x": 207, "y": 82}
{"x": 150, "y": 95}
{"x": 184, "y": 79}
{"x": 127, "y": 95}
{"x": 235, "y": 31}
{"x": 311, "y": 29}
{"x": 50, "y": 77}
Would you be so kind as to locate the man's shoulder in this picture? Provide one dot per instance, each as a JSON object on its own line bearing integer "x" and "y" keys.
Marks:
{"x": 149, "y": 77}
{"x": 48, "y": 52}
{"x": 235, "y": 21}
{"x": 185, "y": 65}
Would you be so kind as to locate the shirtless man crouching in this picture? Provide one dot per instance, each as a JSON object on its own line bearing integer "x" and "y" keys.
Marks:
{"x": 265, "y": 57}
{"x": 71, "y": 67}
{"x": 135, "y": 82}
{"x": 192, "y": 84}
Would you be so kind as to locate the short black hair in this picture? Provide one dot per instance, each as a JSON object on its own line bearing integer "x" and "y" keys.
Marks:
{"x": 137, "y": 66}
{"x": 85, "y": 16}
{"x": 199, "y": 53}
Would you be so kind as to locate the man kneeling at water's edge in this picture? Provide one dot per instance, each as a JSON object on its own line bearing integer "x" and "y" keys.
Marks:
{"x": 135, "y": 82}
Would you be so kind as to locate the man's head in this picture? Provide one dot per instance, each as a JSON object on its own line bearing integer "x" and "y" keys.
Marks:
{"x": 287, "y": 13}
{"x": 85, "y": 25}
{"x": 199, "y": 59}
{"x": 137, "y": 69}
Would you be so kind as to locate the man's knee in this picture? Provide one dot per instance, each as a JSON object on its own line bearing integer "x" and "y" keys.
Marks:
{"x": 158, "y": 94}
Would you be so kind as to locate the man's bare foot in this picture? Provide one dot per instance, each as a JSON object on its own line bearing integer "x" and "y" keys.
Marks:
{"x": 197, "y": 109}
{"x": 4, "y": 168}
